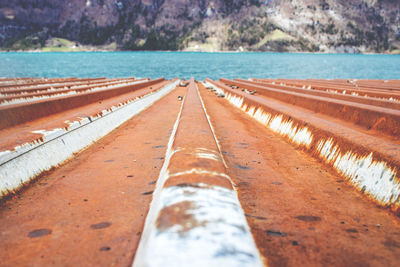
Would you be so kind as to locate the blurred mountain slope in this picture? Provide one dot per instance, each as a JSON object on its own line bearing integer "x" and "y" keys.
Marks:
{"x": 218, "y": 25}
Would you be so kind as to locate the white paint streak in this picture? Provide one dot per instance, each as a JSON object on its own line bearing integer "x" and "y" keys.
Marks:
{"x": 369, "y": 175}
{"x": 207, "y": 156}
{"x": 299, "y": 135}
{"x": 26, "y": 99}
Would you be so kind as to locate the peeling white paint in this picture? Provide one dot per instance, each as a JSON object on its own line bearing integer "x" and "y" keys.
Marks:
{"x": 300, "y": 135}
{"x": 261, "y": 116}
{"x": 204, "y": 155}
{"x": 369, "y": 175}
{"x": 50, "y": 134}
{"x": 26, "y": 99}
{"x": 4, "y": 153}
{"x": 218, "y": 236}
{"x": 29, "y": 160}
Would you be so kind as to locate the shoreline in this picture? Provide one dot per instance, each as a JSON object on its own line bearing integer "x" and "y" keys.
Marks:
{"x": 186, "y": 51}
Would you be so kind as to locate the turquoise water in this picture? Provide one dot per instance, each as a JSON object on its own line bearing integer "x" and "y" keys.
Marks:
{"x": 199, "y": 65}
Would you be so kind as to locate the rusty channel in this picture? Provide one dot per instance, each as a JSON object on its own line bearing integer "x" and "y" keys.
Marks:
{"x": 15, "y": 114}
{"x": 30, "y": 132}
{"x": 334, "y": 88}
{"x": 382, "y": 119}
{"x": 386, "y": 103}
{"x": 373, "y": 85}
{"x": 42, "y": 87}
{"x": 13, "y": 98}
{"x": 39, "y": 81}
{"x": 56, "y": 86}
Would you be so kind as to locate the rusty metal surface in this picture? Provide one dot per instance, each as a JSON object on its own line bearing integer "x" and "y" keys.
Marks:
{"x": 315, "y": 164}
{"x": 90, "y": 211}
{"x": 32, "y": 148}
{"x": 58, "y": 88}
{"x": 195, "y": 218}
{"x": 386, "y": 103}
{"x": 15, "y": 114}
{"x": 301, "y": 213}
{"x": 38, "y": 81}
{"x": 28, "y": 132}
{"x": 334, "y": 86}
{"x": 370, "y": 163}
{"x": 371, "y": 117}
{"x": 13, "y": 99}
{"x": 375, "y": 85}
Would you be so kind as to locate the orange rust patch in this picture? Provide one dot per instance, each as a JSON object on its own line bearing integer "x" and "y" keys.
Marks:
{"x": 178, "y": 214}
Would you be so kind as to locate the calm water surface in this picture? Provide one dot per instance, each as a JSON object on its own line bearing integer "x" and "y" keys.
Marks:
{"x": 199, "y": 65}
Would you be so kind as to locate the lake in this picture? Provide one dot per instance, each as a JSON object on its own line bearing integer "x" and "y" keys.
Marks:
{"x": 199, "y": 65}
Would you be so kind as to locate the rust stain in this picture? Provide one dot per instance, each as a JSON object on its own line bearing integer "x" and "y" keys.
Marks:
{"x": 179, "y": 214}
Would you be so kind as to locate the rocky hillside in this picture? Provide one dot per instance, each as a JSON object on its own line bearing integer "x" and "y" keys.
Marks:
{"x": 207, "y": 25}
